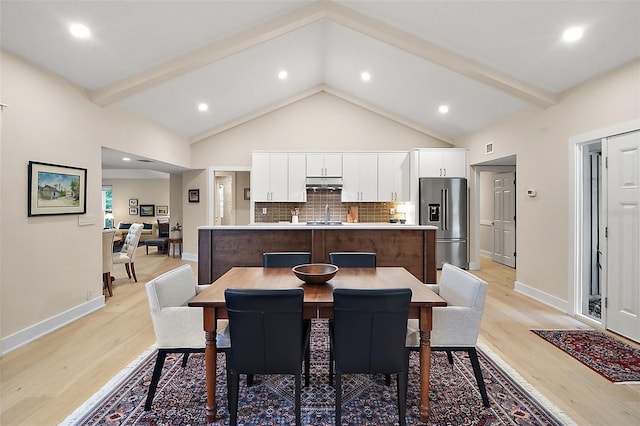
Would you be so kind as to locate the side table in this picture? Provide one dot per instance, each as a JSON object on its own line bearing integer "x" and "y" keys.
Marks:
{"x": 177, "y": 244}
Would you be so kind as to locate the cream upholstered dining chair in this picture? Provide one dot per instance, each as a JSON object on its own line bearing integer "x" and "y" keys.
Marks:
{"x": 128, "y": 251}
{"x": 107, "y": 259}
{"x": 178, "y": 327}
{"x": 456, "y": 326}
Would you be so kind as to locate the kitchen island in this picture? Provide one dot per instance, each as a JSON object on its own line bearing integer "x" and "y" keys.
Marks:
{"x": 220, "y": 248}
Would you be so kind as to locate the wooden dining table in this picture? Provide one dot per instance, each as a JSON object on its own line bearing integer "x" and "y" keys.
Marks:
{"x": 318, "y": 303}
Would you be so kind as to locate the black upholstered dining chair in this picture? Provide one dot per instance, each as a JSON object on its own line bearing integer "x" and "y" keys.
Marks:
{"x": 285, "y": 259}
{"x": 368, "y": 337}
{"x": 269, "y": 336}
{"x": 353, "y": 259}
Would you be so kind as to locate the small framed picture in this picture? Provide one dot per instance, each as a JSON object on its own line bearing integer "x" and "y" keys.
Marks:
{"x": 194, "y": 195}
{"x": 133, "y": 211}
{"x": 147, "y": 210}
{"x": 162, "y": 210}
{"x": 133, "y": 202}
{"x": 247, "y": 193}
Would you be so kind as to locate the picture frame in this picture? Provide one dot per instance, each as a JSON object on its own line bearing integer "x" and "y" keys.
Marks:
{"x": 147, "y": 210}
{"x": 133, "y": 202}
{"x": 247, "y": 193}
{"x": 194, "y": 195}
{"x": 162, "y": 210}
{"x": 133, "y": 211}
{"x": 55, "y": 189}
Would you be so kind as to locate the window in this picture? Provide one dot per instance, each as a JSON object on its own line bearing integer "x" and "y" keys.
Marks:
{"x": 107, "y": 206}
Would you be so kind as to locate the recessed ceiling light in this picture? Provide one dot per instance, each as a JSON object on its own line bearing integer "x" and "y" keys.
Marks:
{"x": 572, "y": 34}
{"x": 203, "y": 107}
{"x": 282, "y": 75}
{"x": 443, "y": 109}
{"x": 365, "y": 76}
{"x": 126, "y": 159}
{"x": 79, "y": 30}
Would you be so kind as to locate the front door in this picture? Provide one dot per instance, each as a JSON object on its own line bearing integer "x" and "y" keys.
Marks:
{"x": 623, "y": 241}
{"x": 504, "y": 219}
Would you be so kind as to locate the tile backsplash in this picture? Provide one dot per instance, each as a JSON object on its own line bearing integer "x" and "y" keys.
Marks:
{"x": 314, "y": 209}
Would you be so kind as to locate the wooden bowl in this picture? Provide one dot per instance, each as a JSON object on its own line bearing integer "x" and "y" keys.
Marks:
{"x": 315, "y": 273}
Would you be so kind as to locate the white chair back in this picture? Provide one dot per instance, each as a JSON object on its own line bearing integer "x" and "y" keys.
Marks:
{"x": 177, "y": 325}
{"x": 131, "y": 240}
{"x": 107, "y": 250}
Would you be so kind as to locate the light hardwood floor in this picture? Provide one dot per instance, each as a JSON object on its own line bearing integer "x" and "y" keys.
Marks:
{"x": 44, "y": 381}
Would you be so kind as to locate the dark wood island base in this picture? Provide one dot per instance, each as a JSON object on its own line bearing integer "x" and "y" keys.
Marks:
{"x": 220, "y": 248}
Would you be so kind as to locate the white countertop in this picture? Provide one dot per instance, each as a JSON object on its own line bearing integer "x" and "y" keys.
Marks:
{"x": 303, "y": 225}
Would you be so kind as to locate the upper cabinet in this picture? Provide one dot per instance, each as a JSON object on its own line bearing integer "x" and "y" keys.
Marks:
{"x": 324, "y": 164}
{"x": 443, "y": 162}
{"x": 393, "y": 176}
{"x": 269, "y": 177}
{"x": 360, "y": 177}
{"x": 297, "y": 174}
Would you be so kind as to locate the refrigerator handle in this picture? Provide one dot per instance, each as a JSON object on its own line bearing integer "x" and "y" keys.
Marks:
{"x": 445, "y": 207}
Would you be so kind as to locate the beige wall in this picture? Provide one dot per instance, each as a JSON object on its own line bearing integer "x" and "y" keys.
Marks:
{"x": 146, "y": 191}
{"x": 540, "y": 139}
{"x": 50, "y": 266}
{"x": 320, "y": 122}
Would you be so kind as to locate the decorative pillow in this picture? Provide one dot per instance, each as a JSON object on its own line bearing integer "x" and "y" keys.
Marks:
{"x": 148, "y": 226}
{"x": 124, "y": 226}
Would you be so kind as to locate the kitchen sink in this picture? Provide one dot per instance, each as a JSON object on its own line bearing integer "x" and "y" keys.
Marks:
{"x": 322, "y": 222}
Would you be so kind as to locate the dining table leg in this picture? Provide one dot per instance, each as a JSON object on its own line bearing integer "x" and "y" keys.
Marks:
{"x": 425, "y": 360}
{"x": 210, "y": 361}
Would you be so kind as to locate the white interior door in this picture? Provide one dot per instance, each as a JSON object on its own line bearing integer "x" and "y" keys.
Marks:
{"x": 623, "y": 242}
{"x": 504, "y": 219}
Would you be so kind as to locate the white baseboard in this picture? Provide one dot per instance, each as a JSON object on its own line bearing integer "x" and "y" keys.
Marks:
{"x": 190, "y": 257}
{"x": 35, "y": 331}
{"x": 485, "y": 253}
{"x": 541, "y": 296}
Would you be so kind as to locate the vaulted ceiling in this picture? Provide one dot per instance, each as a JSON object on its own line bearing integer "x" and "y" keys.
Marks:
{"x": 483, "y": 59}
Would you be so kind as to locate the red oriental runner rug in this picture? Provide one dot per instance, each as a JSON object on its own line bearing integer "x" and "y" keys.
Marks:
{"x": 611, "y": 358}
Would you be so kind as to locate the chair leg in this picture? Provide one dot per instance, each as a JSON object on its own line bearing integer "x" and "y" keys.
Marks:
{"x": 126, "y": 266}
{"x": 450, "y": 358}
{"x": 106, "y": 277}
{"x": 133, "y": 271}
{"x": 307, "y": 367}
{"x": 233, "y": 386}
{"x": 402, "y": 398}
{"x": 250, "y": 380}
{"x": 298, "y": 398}
{"x": 155, "y": 378}
{"x": 185, "y": 358}
{"x": 473, "y": 356}
{"x": 338, "y": 399}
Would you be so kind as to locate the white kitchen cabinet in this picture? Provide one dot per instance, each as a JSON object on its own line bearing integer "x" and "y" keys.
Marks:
{"x": 360, "y": 177}
{"x": 324, "y": 164}
{"x": 446, "y": 162}
{"x": 269, "y": 177}
{"x": 393, "y": 176}
{"x": 297, "y": 175}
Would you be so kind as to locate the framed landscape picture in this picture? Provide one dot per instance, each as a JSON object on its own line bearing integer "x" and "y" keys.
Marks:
{"x": 162, "y": 210}
{"x": 54, "y": 189}
{"x": 147, "y": 210}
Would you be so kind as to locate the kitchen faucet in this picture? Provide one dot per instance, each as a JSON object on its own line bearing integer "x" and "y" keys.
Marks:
{"x": 327, "y": 215}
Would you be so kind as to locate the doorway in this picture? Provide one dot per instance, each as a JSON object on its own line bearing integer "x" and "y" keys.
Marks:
{"x": 230, "y": 206}
{"x": 606, "y": 243}
{"x": 482, "y": 218}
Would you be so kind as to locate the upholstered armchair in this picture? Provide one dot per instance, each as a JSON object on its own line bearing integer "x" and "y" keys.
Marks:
{"x": 107, "y": 259}
{"x": 456, "y": 326}
{"x": 178, "y": 327}
{"x": 127, "y": 253}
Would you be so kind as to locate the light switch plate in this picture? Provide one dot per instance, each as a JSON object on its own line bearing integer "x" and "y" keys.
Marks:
{"x": 86, "y": 219}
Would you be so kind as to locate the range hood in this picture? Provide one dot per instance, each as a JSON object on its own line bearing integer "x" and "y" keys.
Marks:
{"x": 324, "y": 183}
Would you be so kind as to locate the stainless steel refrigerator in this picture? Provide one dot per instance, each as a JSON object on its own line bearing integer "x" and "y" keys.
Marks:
{"x": 443, "y": 203}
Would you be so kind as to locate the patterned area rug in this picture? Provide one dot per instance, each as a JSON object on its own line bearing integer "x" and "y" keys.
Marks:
{"x": 455, "y": 399}
{"x": 611, "y": 358}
